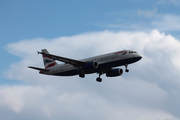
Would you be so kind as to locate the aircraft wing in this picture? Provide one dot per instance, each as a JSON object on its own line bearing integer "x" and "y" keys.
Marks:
{"x": 41, "y": 69}
{"x": 76, "y": 63}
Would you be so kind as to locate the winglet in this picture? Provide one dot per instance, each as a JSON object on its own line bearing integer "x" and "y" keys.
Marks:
{"x": 38, "y": 52}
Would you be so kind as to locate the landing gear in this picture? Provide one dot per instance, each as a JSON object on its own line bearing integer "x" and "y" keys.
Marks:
{"x": 99, "y": 79}
{"x": 126, "y": 68}
{"x": 82, "y": 75}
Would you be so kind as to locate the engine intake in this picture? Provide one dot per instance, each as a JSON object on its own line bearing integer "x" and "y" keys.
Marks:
{"x": 114, "y": 72}
{"x": 90, "y": 65}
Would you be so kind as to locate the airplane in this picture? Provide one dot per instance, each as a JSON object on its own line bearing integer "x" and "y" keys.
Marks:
{"x": 103, "y": 64}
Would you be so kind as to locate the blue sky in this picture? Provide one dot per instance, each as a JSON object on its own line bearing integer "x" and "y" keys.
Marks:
{"x": 75, "y": 28}
{"x": 32, "y": 19}
{"x": 50, "y": 19}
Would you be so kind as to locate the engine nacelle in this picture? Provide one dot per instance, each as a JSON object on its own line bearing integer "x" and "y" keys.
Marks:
{"x": 114, "y": 72}
{"x": 90, "y": 65}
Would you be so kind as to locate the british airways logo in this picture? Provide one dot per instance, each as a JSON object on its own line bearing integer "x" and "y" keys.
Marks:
{"x": 47, "y": 61}
{"x": 123, "y": 52}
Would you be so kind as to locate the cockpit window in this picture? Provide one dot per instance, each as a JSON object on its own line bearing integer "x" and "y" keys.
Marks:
{"x": 132, "y": 52}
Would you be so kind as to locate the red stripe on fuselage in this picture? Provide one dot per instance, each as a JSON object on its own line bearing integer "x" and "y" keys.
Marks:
{"x": 120, "y": 52}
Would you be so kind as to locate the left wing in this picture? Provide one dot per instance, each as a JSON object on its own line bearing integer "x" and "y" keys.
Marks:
{"x": 73, "y": 62}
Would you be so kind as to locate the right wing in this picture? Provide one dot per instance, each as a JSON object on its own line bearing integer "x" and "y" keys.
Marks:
{"x": 73, "y": 62}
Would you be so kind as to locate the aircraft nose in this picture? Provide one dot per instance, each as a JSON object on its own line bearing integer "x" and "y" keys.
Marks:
{"x": 139, "y": 57}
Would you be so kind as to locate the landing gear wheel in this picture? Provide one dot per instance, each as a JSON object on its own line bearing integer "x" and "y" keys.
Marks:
{"x": 127, "y": 70}
{"x": 98, "y": 79}
{"x": 82, "y": 75}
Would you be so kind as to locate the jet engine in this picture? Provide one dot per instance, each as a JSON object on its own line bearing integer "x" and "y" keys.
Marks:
{"x": 114, "y": 72}
{"x": 90, "y": 65}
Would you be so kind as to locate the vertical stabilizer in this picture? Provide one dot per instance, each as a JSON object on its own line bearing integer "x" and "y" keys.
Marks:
{"x": 48, "y": 62}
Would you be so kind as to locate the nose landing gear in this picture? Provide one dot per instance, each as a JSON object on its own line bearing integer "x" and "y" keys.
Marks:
{"x": 126, "y": 65}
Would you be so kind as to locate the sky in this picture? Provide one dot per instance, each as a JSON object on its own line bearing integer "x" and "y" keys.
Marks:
{"x": 81, "y": 29}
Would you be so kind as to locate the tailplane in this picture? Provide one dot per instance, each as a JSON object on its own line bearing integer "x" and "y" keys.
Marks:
{"x": 48, "y": 62}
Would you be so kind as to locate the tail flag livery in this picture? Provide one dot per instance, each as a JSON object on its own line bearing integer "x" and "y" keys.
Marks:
{"x": 48, "y": 62}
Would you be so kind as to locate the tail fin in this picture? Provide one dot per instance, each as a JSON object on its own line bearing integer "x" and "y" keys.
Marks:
{"x": 48, "y": 62}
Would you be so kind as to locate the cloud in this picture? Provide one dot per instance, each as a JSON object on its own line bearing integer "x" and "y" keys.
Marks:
{"x": 51, "y": 103}
{"x": 145, "y": 20}
{"x": 149, "y": 91}
{"x": 175, "y": 2}
{"x": 162, "y": 22}
{"x": 167, "y": 23}
{"x": 146, "y": 13}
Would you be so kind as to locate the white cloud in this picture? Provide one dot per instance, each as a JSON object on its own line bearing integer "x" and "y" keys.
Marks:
{"x": 144, "y": 20}
{"x": 175, "y": 2}
{"x": 12, "y": 100}
{"x": 162, "y": 22}
{"x": 167, "y": 23}
{"x": 51, "y": 103}
{"x": 149, "y": 91}
{"x": 146, "y": 13}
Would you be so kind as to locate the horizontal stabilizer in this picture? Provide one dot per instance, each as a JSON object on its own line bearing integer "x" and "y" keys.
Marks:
{"x": 41, "y": 69}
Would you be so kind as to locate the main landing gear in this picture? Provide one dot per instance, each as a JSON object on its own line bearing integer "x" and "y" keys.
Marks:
{"x": 126, "y": 68}
{"x": 82, "y": 75}
{"x": 99, "y": 79}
